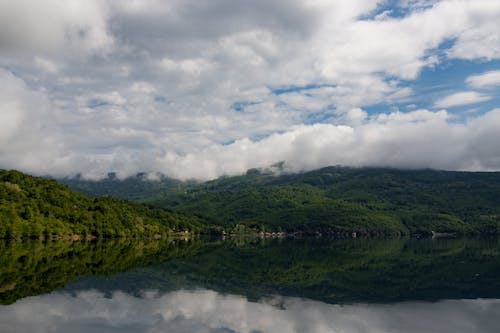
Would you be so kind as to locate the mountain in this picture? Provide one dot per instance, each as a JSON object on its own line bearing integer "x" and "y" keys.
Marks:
{"x": 135, "y": 188}
{"x": 34, "y": 207}
{"x": 340, "y": 200}
{"x": 332, "y": 200}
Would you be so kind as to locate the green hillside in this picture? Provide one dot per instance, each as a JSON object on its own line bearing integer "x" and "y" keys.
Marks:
{"x": 337, "y": 199}
{"x": 33, "y": 207}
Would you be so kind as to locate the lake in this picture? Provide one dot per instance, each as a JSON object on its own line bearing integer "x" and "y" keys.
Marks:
{"x": 242, "y": 285}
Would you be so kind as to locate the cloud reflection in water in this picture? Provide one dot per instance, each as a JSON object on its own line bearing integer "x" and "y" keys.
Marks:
{"x": 208, "y": 311}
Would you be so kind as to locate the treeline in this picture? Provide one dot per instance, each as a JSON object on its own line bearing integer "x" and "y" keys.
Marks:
{"x": 34, "y": 207}
{"x": 339, "y": 200}
{"x": 332, "y": 200}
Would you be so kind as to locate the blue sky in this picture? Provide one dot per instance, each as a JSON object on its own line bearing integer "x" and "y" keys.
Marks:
{"x": 200, "y": 90}
{"x": 446, "y": 78}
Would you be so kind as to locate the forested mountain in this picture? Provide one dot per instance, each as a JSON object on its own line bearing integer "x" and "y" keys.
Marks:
{"x": 135, "y": 188}
{"x": 333, "y": 200}
{"x": 338, "y": 199}
{"x": 34, "y": 207}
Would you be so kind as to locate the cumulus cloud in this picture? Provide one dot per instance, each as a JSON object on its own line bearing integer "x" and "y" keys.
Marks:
{"x": 27, "y": 139}
{"x": 416, "y": 139}
{"x": 481, "y": 37}
{"x": 192, "y": 89}
{"x": 207, "y": 311}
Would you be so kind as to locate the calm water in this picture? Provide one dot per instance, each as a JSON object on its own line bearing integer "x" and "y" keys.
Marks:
{"x": 318, "y": 285}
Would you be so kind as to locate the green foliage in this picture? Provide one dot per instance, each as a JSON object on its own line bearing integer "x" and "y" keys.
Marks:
{"x": 330, "y": 200}
{"x": 337, "y": 199}
{"x": 33, "y": 207}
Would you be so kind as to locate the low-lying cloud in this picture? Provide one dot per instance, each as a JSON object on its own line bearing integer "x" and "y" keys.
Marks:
{"x": 418, "y": 139}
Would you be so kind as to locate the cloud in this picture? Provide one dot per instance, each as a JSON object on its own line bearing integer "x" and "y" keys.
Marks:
{"x": 461, "y": 98}
{"x": 418, "y": 139}
{"x": 52, "y": 27}
{"x": 401, "y": 47}
{"x": 27, "y": 139}
{"x": 130, "y": 85}
{"x": 207, "y": 311}
{"x": 484, "y": 80}
{"x": 110, "y": 138}
{"x": 480, "y": 36}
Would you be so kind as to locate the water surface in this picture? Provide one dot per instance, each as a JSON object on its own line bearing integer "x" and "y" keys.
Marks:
{"x": 316, "y": 285}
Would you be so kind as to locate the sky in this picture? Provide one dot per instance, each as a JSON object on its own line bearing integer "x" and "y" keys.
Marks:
{"x": 199, "y": 89}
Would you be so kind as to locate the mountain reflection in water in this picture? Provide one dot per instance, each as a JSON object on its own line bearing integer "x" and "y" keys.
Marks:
{"x": 311, "y": 285}
{"x": 208, "y": 311}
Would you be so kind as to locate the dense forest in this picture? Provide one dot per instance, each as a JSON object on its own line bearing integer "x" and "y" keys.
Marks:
{"x": 336, "y": 199}
{"x": 330, "y": 200}
{"x": 34, "y": 207}
{"x": 333, "y": 200}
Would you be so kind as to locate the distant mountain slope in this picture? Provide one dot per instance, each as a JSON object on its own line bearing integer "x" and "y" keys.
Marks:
{"x": 34, "y": 207}
{"x": 134, "y": 188}
{"x": 331, "y": 200}
{"x": 338, "y": 199}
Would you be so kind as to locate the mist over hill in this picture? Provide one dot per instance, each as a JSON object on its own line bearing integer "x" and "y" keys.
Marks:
{"x": 328, "y": 200}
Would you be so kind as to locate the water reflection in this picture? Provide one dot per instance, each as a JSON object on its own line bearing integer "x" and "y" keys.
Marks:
{"x": 208, "y": 311}
{"x": 35, "y": 267}
{"x": 332, "y": 271}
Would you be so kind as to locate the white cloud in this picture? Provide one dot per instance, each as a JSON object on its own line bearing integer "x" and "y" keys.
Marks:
{"x": 461, "y": 98}
{"x": 411, "y": 117}
{"x": 355, "y": 117}
{"x": 189, "y": 66}
{"x": 479, "y": 37}
{"x": 132, "y": 85}
{"x": 400, "y": 46}
{"x": 207, "y": 311}
{"x": 53, "y": 27}
{"x": 418, "y": 139}
{"x": 28, "y": 135}
{"x": 484, "y": 80}
{"x": 127, "y": 141}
